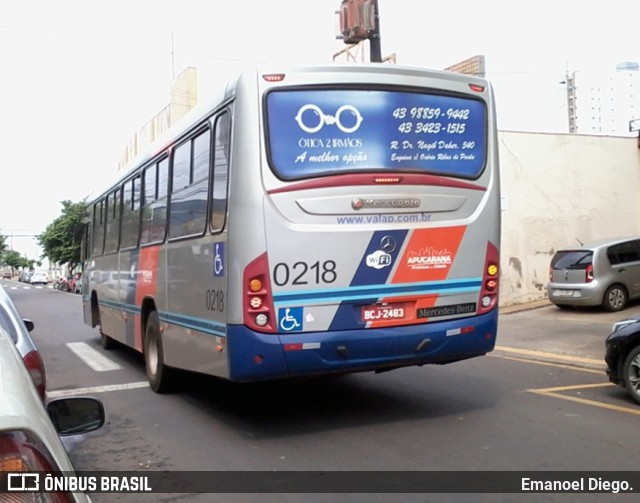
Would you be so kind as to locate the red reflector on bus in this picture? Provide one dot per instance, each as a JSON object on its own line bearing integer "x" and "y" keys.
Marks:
{"x": 387, "y": 179}
{"x": 274, "y": 77}
{"x": 476, "y": 88}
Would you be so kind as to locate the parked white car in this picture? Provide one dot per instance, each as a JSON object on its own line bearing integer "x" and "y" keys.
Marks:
{"x": 29, "y": 433}
{"x": 39, "y": 278}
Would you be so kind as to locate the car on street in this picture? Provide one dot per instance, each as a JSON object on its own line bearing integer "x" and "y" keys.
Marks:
{"x": 601, "y": 273}
{"x": 622, "y": 356}
{"x": 25, "y": 276}
{"x": 6, "y": 275}
{"x": 30, "y": 432}
{"x": 18, "y": 330}
{"x": 39, "y": 278}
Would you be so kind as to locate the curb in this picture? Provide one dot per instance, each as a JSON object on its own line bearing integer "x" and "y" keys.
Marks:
{"x": 575, "y": 361}
{"x": 527, "y": 306}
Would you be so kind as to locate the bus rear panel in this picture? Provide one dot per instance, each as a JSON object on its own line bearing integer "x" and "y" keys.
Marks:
{"x": 380, "y": 214}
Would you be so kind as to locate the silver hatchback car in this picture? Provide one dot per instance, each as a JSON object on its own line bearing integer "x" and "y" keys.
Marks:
{"x": 601, "y": 273}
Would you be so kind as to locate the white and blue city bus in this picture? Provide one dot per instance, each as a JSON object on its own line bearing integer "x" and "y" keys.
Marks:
{"x": 306, "y": 222}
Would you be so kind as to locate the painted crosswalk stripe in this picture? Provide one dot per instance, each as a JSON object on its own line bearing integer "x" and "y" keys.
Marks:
{"x": 93, "y": 358}
{"x": 97, "y": 389}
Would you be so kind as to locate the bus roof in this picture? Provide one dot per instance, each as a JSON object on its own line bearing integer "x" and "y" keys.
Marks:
{"x": 226, "y": 92}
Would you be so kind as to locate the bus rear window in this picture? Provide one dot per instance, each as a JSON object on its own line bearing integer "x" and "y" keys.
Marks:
{"x": 320, "y": 132}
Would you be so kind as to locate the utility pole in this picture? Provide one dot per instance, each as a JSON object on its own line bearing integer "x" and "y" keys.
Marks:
{"x": 375, "y": 47}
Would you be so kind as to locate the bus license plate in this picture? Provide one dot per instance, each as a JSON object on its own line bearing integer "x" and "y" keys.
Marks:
{"x": 377, "y": 313}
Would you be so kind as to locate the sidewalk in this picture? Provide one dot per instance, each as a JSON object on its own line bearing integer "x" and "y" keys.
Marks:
{"x": 516, "y": 308}
{"x": 553, "y": 336}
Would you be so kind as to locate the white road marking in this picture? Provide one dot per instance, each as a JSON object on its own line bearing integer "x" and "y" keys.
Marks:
{"x": 96, "y": 389}
{"x": 96, "y": 360}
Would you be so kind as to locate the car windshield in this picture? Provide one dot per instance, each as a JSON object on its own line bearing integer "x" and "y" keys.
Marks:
{"x": 573, "y": 259}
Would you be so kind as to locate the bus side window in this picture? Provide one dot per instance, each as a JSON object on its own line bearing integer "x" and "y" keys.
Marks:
{"x": 154, "y": 209}
{"x": 188, "y": 215}
{"x": 98, "y": 228}
{"x": 112, "y": 222}
{"x": 220, "y": 172}
{"x": 130, "y": 213}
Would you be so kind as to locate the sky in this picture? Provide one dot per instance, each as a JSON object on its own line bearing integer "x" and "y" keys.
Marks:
{"x": 79, "y": 77}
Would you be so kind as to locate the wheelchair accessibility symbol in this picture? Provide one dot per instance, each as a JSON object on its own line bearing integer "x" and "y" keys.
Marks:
{"x": 218, "y": 260}
{"x": 290, "y": 319}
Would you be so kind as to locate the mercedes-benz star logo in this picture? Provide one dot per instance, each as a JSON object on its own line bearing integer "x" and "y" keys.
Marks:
{"x": 387, "y": 244}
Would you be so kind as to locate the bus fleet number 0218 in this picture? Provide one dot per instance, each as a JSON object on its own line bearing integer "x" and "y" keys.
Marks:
{"x": 302, "y": 273}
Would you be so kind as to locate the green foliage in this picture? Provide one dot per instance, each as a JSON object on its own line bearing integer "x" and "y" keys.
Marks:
{"x": 3, "y": 248}
{"x": 60, "y": 241}
{"x": 14, "y": 260}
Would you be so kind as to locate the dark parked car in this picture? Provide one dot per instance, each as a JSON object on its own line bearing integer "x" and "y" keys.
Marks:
{"x": 18, "y": 330}
{"x": 623, "y": 356}
{"x": 25, "y": 276}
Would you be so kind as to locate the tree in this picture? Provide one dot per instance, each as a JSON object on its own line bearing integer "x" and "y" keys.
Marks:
{"x": 3, "y": 248}
{"x": 60, "y": 241}
{"x": 14, "y": 260}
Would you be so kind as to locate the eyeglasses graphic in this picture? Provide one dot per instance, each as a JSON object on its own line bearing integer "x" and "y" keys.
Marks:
{"x": 312, "y": 119}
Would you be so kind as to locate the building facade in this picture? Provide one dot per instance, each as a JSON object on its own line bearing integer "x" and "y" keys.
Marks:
{"x": 604, "y": 103}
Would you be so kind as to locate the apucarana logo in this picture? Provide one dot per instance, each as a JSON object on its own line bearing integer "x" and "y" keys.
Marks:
{"x": 429, "y": 258}
{"x": 378, "y": 260}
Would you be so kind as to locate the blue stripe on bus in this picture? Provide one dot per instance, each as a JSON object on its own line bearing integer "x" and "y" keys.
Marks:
{"x": 366, "y": 292}
{"x": 200, "y": 324}
{"x": 205, "y": 325}
{"x": 372, "y": 272}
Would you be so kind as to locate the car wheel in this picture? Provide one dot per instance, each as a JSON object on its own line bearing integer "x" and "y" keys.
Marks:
{"x": 161, "y": 378}
{"x": 615, "y": 298}
{"x": 631, "y": 373}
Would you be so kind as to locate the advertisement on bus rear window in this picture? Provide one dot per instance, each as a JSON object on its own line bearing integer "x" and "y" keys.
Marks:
{"x": 318, "y": 132}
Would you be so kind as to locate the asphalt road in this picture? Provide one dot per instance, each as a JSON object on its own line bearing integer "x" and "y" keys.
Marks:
{"x": 540, "y": 401}
{"x": 542, "y": 331}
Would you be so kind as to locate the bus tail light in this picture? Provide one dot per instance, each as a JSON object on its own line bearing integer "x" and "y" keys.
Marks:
{"x": 589, "y": 273}
{"x": 477, "y": 88}
{"x": 273, "y": 77}
{"x": 259, "y": 313}
{"x": 490, "y": 280}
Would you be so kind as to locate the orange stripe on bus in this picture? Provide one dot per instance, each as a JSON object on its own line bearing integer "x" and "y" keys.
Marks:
{"x": 146, "y": 283}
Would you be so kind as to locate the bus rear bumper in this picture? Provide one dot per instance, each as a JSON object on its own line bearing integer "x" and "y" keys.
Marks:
{"x": 256, "y": 356}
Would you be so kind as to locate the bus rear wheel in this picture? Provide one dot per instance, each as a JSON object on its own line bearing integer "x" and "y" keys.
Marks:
{"x": 161, "y": 378}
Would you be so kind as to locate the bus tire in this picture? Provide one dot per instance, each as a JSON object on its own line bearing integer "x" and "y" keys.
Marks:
{"x": 106, "y": 342}
{"x": 160, "y": 376}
